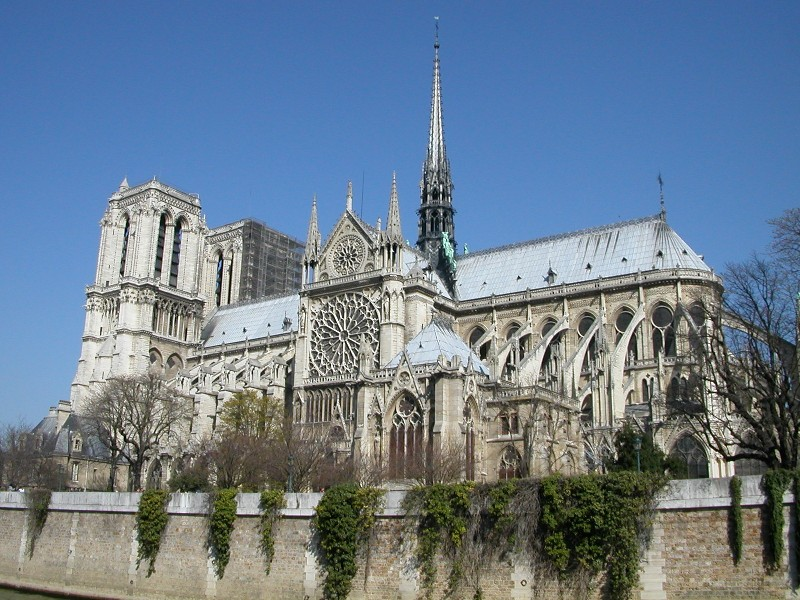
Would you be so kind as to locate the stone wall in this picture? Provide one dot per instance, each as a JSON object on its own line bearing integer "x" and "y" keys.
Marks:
{"x": 88, "y": 547}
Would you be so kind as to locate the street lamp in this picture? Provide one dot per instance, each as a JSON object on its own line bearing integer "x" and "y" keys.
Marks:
{"x": 637, "y": 445}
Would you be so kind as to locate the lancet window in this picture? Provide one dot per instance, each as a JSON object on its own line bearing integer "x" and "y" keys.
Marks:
{"x": 124, "y": 253}
{"x": 689, "y": 452}
{"x": 176, "y": 254}
{"x": 406, "y": 439}
{"x": 553, "y": 357}
{"x": 510, "y": 464}
{"x": 218, "y": 279}
{"x": 584, "y": 325}
{"x": 663, "y": 331}
{"x": 624, "y": 319}
{"x": 162, "y": 234}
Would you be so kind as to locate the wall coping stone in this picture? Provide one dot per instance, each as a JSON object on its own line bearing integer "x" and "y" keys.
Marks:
{"x": 684, "y": 494}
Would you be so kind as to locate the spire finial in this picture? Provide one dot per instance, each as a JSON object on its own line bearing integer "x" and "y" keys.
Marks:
{"x": 661, "y": 193}
{"x": 349, "y": 204}
{"x": 436, "y": 38}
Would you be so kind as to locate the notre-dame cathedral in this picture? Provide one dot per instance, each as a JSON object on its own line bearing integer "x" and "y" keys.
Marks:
{"x": 527, "y": 357}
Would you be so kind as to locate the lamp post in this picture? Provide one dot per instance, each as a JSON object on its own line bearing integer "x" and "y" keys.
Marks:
{"x": 637, "y": 445}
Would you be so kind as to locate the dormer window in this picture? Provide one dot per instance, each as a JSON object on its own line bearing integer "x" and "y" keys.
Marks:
{"x": 551, "y": 276}
{"x": 77, "y": 444}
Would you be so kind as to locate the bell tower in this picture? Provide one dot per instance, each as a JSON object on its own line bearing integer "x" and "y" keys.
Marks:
{"x": 145, "y": 308}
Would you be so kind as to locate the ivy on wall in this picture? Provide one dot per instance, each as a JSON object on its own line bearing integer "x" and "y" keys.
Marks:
{"x": 220, "y": 527}
{"x": 38, "y": 502}
{"x": 575, "y": 527}
{"x": 737, "y": 526}
{"x": 151, "y": 521}
{"x": 344, "y": 520}
{"x": 271, "y": 503}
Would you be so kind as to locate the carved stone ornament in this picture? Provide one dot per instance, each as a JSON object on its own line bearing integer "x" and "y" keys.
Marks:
{"x": 337, "y": 329}
{"x": 348, "y": 255}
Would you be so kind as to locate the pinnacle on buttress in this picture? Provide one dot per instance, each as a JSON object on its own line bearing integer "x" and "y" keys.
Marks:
{"x": 393, "y": 229}
{"x": 124, "y": 185}
{"x": 313, "y": 239}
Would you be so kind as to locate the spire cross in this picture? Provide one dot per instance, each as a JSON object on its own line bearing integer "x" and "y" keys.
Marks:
{"x": 661, "y": 193}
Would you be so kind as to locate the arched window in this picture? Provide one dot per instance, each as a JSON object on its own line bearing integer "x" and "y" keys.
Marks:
{"x": 624, "y": 319}
{"x": 218, "y": 280}
{"x": 516, "y": 353}
{"x": 406, "y": 439}
{"x": 509, "y": 422}
{"x": 697, "y": 314}
{"x": 690, "y": 453}
{"x": 230, "y": 276}
{"x": 125, "y": 235}
{"x": 174, "y": 364}
{"x": 587, "y": 410}
{"x": 476, "y": 335}
{"x": 176, "y": 254}
{"x": 553, "y": 357}
{"x": 156, "y": 360}
{"x": 584, "y": 325}
{"x": 663, "y": 331}
{"x": 510, "y": 466}
{"x": 469, "y": 443}
{"x": 162, "y": 234}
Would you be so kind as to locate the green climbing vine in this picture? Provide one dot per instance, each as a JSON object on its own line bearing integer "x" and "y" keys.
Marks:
{"x": 577, "y": 526}
{"x": 443, "y": 513}
{"x": 737, "y": 526}
{"x": 775, "y": 483}
{"x": 220, "y": 527}
{"x": 271, "y": 503}
{"x": 38, "y": 502}
{"x": 151, "y": 521}
{"x": 344, "y": 521}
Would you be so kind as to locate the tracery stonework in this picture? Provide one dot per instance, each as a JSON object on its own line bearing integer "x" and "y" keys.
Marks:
{"x": 338, "y": 326}
{"x": 348, "y": 255}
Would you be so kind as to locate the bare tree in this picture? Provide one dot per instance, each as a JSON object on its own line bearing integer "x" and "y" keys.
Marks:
{"x": 745, "y": 401}
{"x": 134, "y": 417}
{"x": 24, "y": 461}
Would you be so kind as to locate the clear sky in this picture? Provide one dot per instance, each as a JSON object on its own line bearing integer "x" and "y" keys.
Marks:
{"x": 558, "y": 116}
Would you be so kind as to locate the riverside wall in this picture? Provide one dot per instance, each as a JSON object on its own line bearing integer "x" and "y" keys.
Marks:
{"x": 88, "y": 548}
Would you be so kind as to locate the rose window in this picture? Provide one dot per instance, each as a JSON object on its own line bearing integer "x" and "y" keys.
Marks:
{"x": 348, "y": 255}
{"x": 341, "y": 325}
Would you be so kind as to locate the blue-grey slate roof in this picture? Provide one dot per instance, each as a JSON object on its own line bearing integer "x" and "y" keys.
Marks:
{"x": 434, "y": 340}
{"x": 608, "y": 251}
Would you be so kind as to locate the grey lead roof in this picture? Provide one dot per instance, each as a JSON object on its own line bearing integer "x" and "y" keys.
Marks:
{"x": 438, "y": 339}
{"x": 608, "y": 251}
{"x": 260, "y": 318}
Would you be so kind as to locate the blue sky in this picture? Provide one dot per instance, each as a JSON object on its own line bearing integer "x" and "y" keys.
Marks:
{"x": 558, "y": 116}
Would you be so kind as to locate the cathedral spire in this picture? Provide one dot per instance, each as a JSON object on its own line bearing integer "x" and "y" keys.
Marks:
{"x": 436, "y": 198}
{"x": 393, "y": 230}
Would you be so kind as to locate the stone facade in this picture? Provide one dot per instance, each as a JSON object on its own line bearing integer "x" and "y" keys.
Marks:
{"x": 88, "y": 546}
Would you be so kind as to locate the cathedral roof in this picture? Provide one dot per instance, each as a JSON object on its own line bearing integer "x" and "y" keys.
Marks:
{"x": 253, "y": 319}
{"x": 609, "y": 251}
{"x": 438, "y": 339}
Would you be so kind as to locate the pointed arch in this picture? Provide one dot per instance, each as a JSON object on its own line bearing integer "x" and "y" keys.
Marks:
{"x": 406, "y": 437}
{"x": 690, "y": 452}
{"x": 510, "y": 464}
